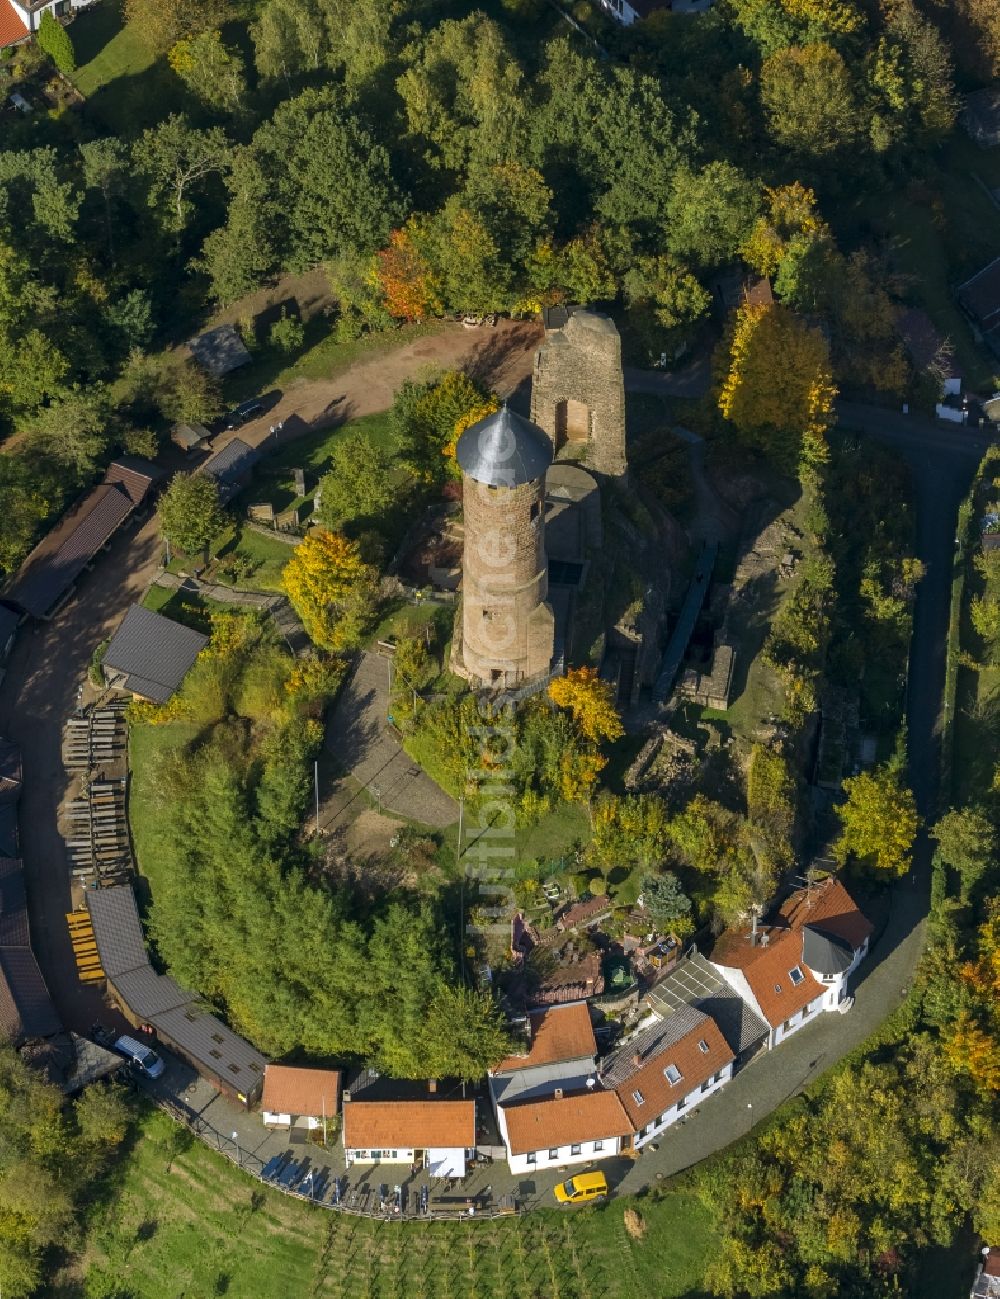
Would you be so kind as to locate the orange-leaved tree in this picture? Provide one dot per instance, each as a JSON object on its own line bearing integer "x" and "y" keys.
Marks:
{"x": 591, "y": 702}
{"x": 332, "y": 589}
{"x": 409, "y": 285}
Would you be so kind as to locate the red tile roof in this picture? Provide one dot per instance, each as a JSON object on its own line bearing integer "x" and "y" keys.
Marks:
{"x": 767, "y": 966}
{"x": 409, "y": 1125}
{"x": 828, "y": 906}
{"x": 694, "y": 1065}
{"x": 307, "y": 1092}
{"x": 558, "y": 1033}
{"x": 564, "y": 1121}
{"x": 12, "y": 29}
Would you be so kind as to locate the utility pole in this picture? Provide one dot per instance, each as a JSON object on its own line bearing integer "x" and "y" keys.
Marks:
{"x": 316, "y": 786}
{"x": 461, "y": 899}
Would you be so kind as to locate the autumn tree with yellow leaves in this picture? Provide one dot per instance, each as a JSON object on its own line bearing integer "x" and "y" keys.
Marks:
{"x": 590, "y": 701}
{"x": 777, "y": 387}
{"x": 879, "y": 821}
{"x": 332, "y": 589}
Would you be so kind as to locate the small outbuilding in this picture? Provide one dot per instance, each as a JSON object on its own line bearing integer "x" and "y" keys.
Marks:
{"x": 979, "y": 298}
{"x": 150, "y": 655}
{"x": 304, "y": 1098}
{"x": 232, "y": 468}
{"x": 190, "y": 437}
{"x": 220, "y": 350}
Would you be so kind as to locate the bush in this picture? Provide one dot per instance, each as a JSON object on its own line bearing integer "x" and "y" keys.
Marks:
{"x": 287, "y": 334}
{"x": 54, "y": 39}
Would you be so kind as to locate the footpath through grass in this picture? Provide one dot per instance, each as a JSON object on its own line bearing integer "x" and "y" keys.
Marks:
{"x": 183, "y": 1221}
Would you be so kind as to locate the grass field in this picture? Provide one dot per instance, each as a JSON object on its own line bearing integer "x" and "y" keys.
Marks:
{"x": 127, "y": 88}
{"x": 183, "y": 1222}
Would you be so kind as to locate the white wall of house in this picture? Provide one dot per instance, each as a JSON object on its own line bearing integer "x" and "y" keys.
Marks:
{"x": 658, "y": 1123}
{"x": 952, "y": 414}
{"x": 380, "y": 1156}
{"x": 559, "y": 1157}
{"x": 57, "y": 7}
{"x": 800, "y": 1018}
{"x": 273, "y": 1120}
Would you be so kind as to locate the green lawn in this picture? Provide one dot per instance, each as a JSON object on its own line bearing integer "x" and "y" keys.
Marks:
{"x": 183, "y": 606}
{"x": 127, "y": 88}
{"x": 323, "y": 357}
{"x": 183, "y": 1222}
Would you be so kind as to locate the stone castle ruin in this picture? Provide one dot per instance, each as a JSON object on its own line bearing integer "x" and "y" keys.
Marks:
{"x": 578, "y": 391}
{"x": 513, "y": 629}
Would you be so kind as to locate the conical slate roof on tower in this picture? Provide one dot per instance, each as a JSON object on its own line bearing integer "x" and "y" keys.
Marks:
{"x": 504, "y": 450}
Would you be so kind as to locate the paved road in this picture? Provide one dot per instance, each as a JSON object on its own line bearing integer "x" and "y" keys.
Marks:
{"x": 359, "y": 739}
{"x": 39, "y": 692}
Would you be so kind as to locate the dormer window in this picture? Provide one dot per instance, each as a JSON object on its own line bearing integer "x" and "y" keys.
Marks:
{"x": 777, "y": 987}
{"x": 796, "y": 975}
{"x": 672, "y": 1074}
{"x": 638, "y": 1097}
{"x": 703, "y": 1047}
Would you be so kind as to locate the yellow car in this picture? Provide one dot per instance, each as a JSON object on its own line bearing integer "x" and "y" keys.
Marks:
{"x": 585, "y": 1186}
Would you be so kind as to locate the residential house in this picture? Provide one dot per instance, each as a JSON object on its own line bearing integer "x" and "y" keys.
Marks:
{"x": 150, "y": 655}
{"x": 304, "y": 1098}
{"x": 439, "y": 1135}
{"x": 564, "y": 1128}
{"x": 929, "y": 353}
{"x": 667, "y": 1069}
{"x": 797, "y": 965}
{"x": 550, "y": 1110}
{"x": 155, "y": 1002}
{"x": 20, "y": 18}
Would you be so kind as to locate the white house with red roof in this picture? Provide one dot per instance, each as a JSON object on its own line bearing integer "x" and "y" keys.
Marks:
{"x": 797, "y": 965}
{"x": 20, "y": 18}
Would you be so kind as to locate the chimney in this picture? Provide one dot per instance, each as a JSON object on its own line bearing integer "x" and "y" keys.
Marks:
{"x": 765, "y": 939}
{"x": 558, "y": 1093}
{"x": 432, "y": 1086}
{"x": 753, "y": 926}
{"x": 637, "y": 1058}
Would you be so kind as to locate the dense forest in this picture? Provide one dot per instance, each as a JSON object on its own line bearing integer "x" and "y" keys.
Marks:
{"x": 435, "y": 161}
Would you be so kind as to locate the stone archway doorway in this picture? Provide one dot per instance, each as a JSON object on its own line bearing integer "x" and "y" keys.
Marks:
{"x": 572, "y": 422}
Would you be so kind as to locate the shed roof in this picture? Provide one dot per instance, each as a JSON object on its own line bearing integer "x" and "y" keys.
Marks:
{"x": 134, "y": 475}
{"x": 148, "y": 994}
{"x": 215, "y": 1048}
{"x": 26, "y": 1009}
{"x": 14, "y": 931}
{"x": 557, "y": 1033}
{"x": 565, "y": 1120}
{"x": 220, "y": 350}
{"x": 229, "y": 466}
{"x": 504, "y": 450}
{"x": 59, "y": 558}
{"x": 154, "y": 653}
{"x": 117, "y": 931}
{"x": 409, "y": 1125}
{"x": 311, "y": 1093}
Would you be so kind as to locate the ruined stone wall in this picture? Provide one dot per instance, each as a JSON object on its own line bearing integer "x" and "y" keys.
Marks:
{"x": 578, "y": 392}
{"x": 508, "y": 630}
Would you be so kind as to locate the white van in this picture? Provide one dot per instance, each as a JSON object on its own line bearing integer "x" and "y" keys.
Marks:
{"x": 145, "y": 1060}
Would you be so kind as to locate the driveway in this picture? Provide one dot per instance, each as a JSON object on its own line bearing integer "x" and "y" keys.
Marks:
{"x": 360, "y": 740}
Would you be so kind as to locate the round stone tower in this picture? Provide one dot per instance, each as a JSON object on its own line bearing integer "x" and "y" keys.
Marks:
{"x": 508, "y": 629}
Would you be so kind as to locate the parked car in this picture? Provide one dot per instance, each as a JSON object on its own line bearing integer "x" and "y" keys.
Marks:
{"x": 146, "y": 1061}
{"x": 244, "y": 413}
{"x": 583, "y": 1187}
